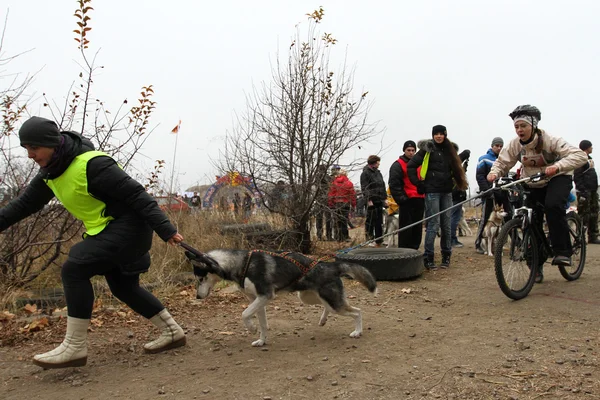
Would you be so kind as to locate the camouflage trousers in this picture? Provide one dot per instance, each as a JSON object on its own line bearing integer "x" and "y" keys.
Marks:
{"x": 587, "y": 208}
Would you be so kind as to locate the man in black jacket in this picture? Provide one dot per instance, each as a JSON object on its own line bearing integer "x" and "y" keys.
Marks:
{"x": 373, "y": 188}
{"x": 411, "y": 204}
{"x": 119, "y": 217}
{"x": 586, "y": 184}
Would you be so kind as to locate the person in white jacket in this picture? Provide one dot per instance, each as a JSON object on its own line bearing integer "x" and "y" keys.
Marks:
{"x": 539, "y": 151}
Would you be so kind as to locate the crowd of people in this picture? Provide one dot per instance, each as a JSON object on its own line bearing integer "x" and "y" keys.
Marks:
{"x": 430, "y": 177}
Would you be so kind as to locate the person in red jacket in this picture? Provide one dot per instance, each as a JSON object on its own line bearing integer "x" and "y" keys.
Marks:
{"x": 341, "y": 198}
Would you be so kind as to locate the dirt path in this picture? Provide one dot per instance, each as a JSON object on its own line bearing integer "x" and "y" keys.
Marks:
{"x": 454, "y": 336}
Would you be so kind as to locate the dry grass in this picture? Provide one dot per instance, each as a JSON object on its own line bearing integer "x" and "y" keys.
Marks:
{"x": 200, "y": 229}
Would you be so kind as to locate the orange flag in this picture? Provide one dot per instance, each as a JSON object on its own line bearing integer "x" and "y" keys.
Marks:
{"x": 176, "y": 129}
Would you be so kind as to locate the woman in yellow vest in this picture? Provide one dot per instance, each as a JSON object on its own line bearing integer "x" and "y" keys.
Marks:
{"x": 119, "y": 217}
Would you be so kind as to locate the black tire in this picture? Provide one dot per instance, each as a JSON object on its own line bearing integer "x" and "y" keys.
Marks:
{"x": 387, "y": 264}
{"x": 577, "y": 237}
{"x": 520, "y": 260}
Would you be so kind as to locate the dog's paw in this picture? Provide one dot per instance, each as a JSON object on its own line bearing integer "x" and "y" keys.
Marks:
{"x": 355, "y": 334}
{"x": 322, "y": 321}
{"x": 250, "y": 326}
{"x": 259, "y": 343}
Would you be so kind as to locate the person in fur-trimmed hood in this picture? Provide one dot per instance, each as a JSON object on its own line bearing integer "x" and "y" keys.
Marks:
{"x": 539, "y": 151}
{"x": 441, "y": 171}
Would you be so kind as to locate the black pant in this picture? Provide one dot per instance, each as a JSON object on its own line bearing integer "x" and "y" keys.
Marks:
{"x": 554, "y": 197}
{"x": 342, "y": 211}
{"x": 411, "y": 211}
{"x": 80, "y": 294}
{"x": 487, "y": 207}
{"x": 324, "y": 213}
{"x": 374, "y": 223}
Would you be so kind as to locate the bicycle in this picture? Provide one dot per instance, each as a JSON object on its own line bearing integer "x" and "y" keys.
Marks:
{"x": 523, "y": 247}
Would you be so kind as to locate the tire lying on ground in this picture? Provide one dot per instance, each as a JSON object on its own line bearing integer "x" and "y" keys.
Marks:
{"x": 385, "y": 264}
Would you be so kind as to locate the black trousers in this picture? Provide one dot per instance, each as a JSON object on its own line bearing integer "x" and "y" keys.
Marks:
{"x": 325, "y": 214}
{"x": 554, "y": 197}
{"x": 374, "y": 223}
{"x": 487, "y": 207}
{"x": 411, "y": 211}
{"x": 342, "y": 212}
{"x": 80, "y": 294}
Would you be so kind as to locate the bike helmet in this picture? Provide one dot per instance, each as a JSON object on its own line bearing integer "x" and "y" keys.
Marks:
{"x": 526, "y": 110}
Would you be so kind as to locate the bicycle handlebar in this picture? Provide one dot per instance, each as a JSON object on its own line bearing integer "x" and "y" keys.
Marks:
{"x": 500, "y": 182}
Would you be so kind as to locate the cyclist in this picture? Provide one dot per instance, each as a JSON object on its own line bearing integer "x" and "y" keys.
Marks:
{"x": 540, "y": 152}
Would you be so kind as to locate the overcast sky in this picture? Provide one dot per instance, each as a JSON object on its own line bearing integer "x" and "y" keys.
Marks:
{"x": 462, "y": 63}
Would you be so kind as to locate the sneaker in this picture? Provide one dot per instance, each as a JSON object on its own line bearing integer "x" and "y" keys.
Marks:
{"x": 562, "y": 260}
{"x": 457, "y": 244}
{"x": 429, "y": 264}
{"x": 445, "y": 261}
{"x": 593, "y": 241}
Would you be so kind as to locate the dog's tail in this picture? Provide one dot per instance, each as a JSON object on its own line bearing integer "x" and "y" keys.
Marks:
{"x": 360, "y": 274}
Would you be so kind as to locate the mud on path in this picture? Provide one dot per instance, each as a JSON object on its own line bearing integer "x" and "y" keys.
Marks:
{"x": 450, "y": 335}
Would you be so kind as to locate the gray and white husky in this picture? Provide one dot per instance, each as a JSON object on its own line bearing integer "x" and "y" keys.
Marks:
{"x": 260, "y": 275}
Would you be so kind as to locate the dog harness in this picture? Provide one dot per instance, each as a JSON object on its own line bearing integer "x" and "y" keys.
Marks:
{"x": 304, "y": 269}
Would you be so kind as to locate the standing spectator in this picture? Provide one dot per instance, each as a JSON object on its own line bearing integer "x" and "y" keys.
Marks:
{"x": 373, "y": 188}
{"x": 391, "y": 221}
{"x": 441, "y": 170}
{"x": 247, "y": 206}
{"x": 341, "y": 198}
{"x": 484, "y": 166}
{"x": 119, "y": 218}
{"x": 237, "y": 204}
{"x": 195, "y": 201}
{"x": 458, "y": 196}
{"x": 586, "y": 184}
{"x": 411, "y": 203}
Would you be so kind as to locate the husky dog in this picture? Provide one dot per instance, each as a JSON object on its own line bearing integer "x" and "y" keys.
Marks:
{"x": 492, "y": 229}
{"x": 463, "y": 226}
{"x": 260, "y": 275}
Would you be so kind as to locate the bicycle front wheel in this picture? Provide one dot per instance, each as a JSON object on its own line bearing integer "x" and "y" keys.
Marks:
{"x": 516, "y": 259}
{"x": 577, "y": 237}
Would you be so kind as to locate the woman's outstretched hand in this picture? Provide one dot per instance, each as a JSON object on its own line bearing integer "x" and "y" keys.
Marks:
{"x": 175, "y": 239}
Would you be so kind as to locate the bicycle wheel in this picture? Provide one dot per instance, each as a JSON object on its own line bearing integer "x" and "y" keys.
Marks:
{"x": 577, "y": 237}
{"x": 515, "y": 259}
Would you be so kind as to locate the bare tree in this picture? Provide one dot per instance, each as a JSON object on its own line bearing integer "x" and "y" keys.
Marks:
{"x": 307, "y": 117}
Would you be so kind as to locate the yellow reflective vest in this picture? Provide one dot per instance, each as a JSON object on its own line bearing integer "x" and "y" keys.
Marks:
{"x": 72, "y": 191}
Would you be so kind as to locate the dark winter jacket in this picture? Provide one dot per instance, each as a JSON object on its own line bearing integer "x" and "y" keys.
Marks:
{"x": 127, "y": 239}
{"x": 484, "y": 165}
{"x": 372, "y": 186}
{"x": 439, "y": 176}
{"x": 586, "y": 178}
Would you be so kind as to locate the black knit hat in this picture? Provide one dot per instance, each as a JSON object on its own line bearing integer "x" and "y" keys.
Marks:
{"x": 409, "y": 143}
{"x": 439, "y": 129}
{"x": 585, "y": 144}
{"x": 38, "y": 131}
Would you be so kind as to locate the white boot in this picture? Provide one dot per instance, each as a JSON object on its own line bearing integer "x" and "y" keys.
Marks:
{"x": 171, "y": 337}
{"x": 72, "y": 352}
